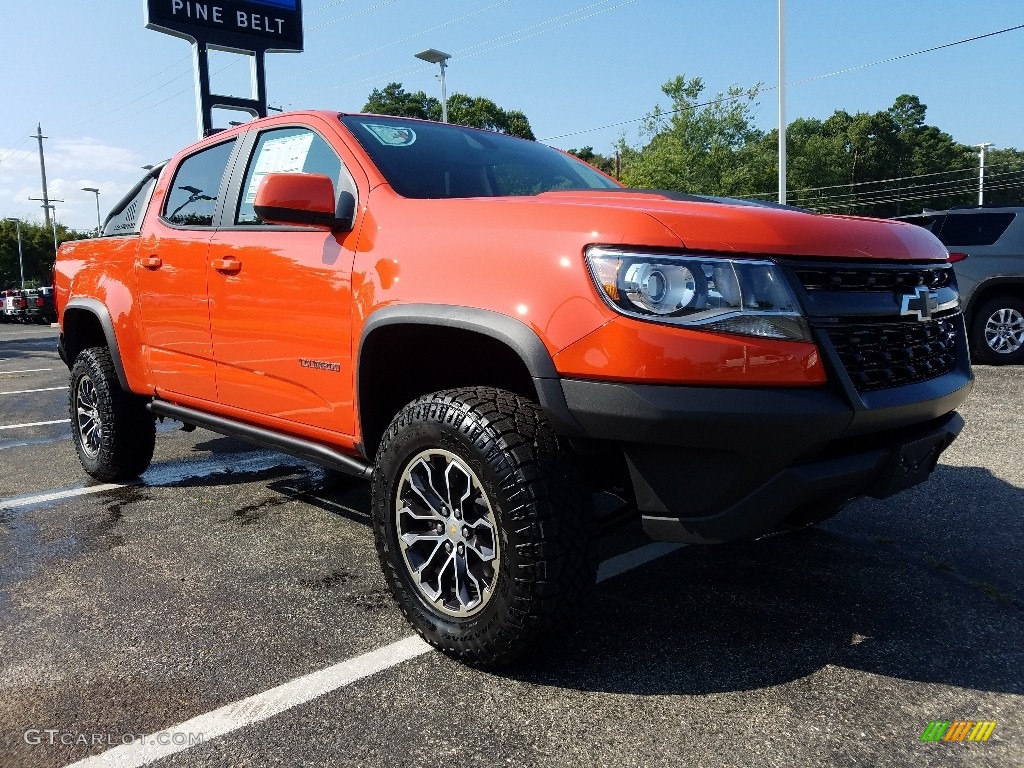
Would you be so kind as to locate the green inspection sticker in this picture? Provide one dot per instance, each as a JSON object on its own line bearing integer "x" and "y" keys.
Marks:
{"x": 391, "y": 136}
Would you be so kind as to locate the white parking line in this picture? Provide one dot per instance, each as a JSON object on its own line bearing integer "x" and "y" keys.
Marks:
{"x": 263, "y": 706}
{"x": 36, "y": 424}
{"x": 68, "y": 493}
{"x": 27, "y": 370}
{"x": 166, "y": 474}
{"x": 27, "y": 391}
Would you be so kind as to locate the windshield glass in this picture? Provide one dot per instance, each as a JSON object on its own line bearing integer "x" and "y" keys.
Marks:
{"x": 434, "y": 160}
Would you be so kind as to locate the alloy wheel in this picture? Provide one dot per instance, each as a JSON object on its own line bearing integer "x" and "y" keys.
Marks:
{"x": 447, "y": 533}
{"x": 1004, "y": 331}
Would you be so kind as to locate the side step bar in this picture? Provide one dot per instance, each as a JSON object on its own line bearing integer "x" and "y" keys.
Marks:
{"x": 296, "y": 446}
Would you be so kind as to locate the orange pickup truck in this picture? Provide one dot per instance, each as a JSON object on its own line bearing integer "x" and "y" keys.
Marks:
{"x": 498, "y": 337}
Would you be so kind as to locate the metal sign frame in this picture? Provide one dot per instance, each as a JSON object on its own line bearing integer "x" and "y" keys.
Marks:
{"x": 248, "y": 27}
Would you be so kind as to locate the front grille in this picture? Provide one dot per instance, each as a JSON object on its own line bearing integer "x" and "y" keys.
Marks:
{"x": 898, "y": 279}
{"x": 881, "y": 355}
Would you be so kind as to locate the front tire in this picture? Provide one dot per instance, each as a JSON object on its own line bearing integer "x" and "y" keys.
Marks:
{"x": 997, "y": 332}
{"x": 113, "y": 433}
{"x": 483, "y": 523}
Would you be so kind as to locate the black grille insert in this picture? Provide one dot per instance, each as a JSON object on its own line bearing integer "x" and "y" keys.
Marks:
{"x": 880, "y": 355}
{"x": 900, "y": 279}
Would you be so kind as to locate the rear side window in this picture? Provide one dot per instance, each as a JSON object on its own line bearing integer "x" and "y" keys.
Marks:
{"x": 963, "y": 230}
{"x": 192, "y": 200}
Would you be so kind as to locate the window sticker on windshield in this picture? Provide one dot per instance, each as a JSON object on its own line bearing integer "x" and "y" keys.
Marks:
{"x": 390, "y": 136}
{"x": 284, "y": 155}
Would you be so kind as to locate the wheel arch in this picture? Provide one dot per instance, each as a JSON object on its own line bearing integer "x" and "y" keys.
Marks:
{"x": 87, "y": 323}
{"x": 989, "y": 289}
{"x": 513, "y": 357}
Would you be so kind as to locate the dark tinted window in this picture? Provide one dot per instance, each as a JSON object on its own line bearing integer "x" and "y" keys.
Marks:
{"x": 431, "y": 160}
{"x": 193, "y": 196}
{"x": 126, "y": 218}
{"x": 286, "y": 150}
{"x": 966, "y": 229}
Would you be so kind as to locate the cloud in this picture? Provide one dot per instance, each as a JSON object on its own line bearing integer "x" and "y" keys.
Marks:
{"x": 70, "y": 165}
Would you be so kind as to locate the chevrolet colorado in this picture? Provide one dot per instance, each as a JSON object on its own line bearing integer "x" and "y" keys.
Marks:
{"x": 493, "y": 333}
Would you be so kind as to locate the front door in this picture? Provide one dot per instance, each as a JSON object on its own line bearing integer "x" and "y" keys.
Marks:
{"x": 280, "y": 298}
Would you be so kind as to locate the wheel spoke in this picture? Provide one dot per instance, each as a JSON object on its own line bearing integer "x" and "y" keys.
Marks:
{"x": 447, "y": 533}
{"x": 90, "y": 425}
{"x": 1004, "y": 331}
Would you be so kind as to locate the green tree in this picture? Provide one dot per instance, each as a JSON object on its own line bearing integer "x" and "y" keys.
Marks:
{"x": 1004, "y": 176}
{"x": 473, "y": 111}
{"x": 698, "y": 147}
{"x": 601, "y": 162}
{"x": 37, "y": 250}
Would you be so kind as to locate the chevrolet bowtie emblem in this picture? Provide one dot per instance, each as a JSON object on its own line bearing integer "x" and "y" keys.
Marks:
{"x": 920, "y": 304}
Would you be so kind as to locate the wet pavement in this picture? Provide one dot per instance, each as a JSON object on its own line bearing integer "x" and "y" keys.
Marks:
{"x": 228, "y": 571}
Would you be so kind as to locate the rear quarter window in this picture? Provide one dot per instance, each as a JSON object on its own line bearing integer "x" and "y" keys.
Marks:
{"x": 973, "y": 229}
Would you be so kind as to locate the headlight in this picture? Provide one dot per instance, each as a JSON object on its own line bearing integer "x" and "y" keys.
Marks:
{"x": 743, "y": 296}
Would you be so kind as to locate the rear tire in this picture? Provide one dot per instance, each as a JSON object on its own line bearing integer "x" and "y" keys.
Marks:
{"x": 483, "y": 523}
{"x": 997, "y": 331}
{"x": 113, "y": 432}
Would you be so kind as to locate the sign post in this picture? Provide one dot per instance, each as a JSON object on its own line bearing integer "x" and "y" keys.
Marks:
{"x": 249, "y": 27}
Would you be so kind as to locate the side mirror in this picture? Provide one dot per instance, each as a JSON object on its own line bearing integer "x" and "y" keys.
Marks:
{"x": 303, "y": 199}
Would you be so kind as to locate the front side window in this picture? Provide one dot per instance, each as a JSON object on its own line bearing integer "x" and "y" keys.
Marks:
{"x": 286, "y": 150}
{"x": 193, "y": 196}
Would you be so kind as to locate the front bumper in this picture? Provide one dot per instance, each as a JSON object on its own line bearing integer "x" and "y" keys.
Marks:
{"x": 711, "y": 465}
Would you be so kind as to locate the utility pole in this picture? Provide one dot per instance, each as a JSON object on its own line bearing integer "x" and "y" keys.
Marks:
{"x": 782, "y": 103}
{"x": 981, "y": 173}
{"x": 42, "y": 168}
{"x": 48, "y": 205}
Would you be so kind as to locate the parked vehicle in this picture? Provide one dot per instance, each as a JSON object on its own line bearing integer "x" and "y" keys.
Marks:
{"x": 492, "y": 333}
{"x": 39, "y": 306}
{"x": 15, "y": 306}
{"x": 986, "y": 247}
{"x": 4, "y": 296}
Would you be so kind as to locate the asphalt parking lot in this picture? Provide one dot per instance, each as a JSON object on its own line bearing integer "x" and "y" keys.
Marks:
{"x": 231, "y": 605}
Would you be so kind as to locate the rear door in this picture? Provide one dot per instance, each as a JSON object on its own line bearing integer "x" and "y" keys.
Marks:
{"x": 172, "y": 270}
{"x": 280, "y": 297}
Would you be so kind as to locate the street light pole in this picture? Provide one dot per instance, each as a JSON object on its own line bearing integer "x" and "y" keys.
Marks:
{"x": 21, "y": 260}
{"x": 981, "y": 173}
{"x": 434, "y": 56}
{"x": 782, "y": 104}
{"x": 95, "y": 191}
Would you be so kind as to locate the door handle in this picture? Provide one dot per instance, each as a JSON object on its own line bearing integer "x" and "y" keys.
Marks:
{"x": 229, "y": 264}
{"x": 151, "y": 262}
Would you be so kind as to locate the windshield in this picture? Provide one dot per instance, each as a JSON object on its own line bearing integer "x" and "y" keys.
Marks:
{"x": 433, "y": 160}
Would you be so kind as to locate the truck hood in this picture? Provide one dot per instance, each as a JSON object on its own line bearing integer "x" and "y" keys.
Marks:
{"x": 736, "y": 226}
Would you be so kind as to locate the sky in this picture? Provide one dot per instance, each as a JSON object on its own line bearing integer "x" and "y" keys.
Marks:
{"x": 113, "y": 96}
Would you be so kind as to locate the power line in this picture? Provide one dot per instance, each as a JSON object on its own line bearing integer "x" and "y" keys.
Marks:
{"x": 352, "y": 15}
{"x": 471, "y": 51}
{"x": 936, "y": 186}
{"x": 393, "y": 44}
{"x": 766, "y": 89}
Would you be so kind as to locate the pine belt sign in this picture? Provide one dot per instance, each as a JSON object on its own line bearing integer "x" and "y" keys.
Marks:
{"x": 239, "y": 25}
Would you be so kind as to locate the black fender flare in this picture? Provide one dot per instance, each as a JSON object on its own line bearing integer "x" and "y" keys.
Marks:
{"x": 513, "y": 333}
{"x": 97, "y": 309}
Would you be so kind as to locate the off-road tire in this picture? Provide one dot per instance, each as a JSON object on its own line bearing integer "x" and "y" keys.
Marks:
{"x": 1012, "y": 308}
{"x": 542, "y": 511}
{"x": 123, "y": 446}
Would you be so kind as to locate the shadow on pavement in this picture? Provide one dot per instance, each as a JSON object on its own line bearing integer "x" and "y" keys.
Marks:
{"x": 921, "y": 601}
